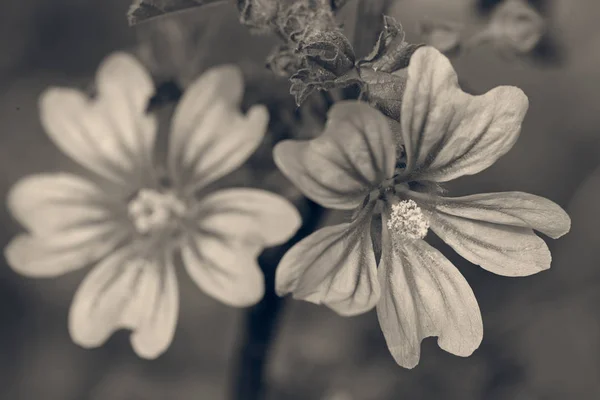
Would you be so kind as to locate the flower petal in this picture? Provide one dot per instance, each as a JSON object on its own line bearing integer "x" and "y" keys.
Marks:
{"x": 155, "y": 331}
{"x": 225, "y": 269}
{"x": 422, "y": 295}
{"x": 224, "y": 82}
{"x": 355, "y": 153}
{"x": 49, "y": 203}
{"x": 334, "y": 266}
{"x": 111, "y": 135}
{"x": 510, "y": 208}
{"x": 449, "y": 133}
{"x": 70, "y": 222}
{"x": 57, "y": 254}
{"x": 123, "y": 291}
{"x": 249, "y": 215}
{"x": 502, "y": 249}
{"x": 210, "y": 137}
{"x": 234, "y": 226}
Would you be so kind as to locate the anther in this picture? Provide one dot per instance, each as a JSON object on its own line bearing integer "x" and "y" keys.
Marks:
{"x": 407, "y": 221}
{"x": 151, "y": 210}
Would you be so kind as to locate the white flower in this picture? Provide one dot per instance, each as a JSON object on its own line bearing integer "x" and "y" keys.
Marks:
{"x": 129, "y": 221}
{"x": 443, "y": 35}
{"x": 353, "y": 165}
{"x": 514, "y": 27}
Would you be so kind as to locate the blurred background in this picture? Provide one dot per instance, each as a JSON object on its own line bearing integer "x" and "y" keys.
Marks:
{"x": 542, "y": 333}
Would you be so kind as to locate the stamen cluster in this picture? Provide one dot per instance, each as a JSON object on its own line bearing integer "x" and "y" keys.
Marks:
{"x": 407, "y": 221}
{"x": 151, "y": 210}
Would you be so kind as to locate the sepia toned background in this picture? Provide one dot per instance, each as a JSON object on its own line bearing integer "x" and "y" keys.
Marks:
{"x": 542, "y": 333}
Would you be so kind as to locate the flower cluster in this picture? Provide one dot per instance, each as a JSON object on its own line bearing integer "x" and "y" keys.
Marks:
{"x": 384, "y": 157}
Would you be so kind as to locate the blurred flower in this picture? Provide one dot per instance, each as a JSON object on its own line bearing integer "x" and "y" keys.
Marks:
{"x": 379, "y": 257}
{"x": 131, "y": 220}
{"x": 443, "y": 35}
{"x": 514, "y": 27}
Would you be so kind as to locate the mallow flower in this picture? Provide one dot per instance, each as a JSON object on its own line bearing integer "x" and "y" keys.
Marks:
{"x": 134, "y": 222}
{"x": 379, "y": 258}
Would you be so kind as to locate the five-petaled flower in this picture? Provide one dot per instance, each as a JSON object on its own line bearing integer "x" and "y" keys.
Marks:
{"x": 130, "y": 220}
{"x": 354, "y": 165}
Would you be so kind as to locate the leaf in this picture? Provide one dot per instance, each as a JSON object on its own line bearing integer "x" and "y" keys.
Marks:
{"x": 142, "y": 10}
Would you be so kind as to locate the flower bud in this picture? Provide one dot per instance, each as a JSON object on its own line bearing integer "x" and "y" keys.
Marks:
{"x": 391, "y": 52}
{"x": 258, "y": 15}
{"x": 284, "y": 61}
{"x": 381, "y": 71}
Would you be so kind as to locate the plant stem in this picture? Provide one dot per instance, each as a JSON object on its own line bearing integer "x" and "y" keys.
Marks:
{"x": 261, "y": 320}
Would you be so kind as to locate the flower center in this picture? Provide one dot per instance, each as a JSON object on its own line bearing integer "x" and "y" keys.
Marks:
{"x": 151, "y": 210}
{"x": 407, "y": 221}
